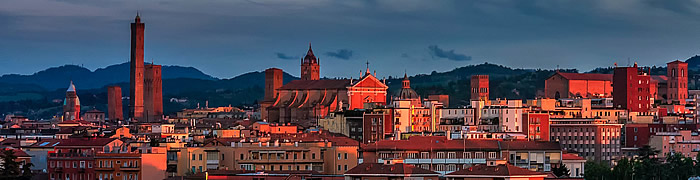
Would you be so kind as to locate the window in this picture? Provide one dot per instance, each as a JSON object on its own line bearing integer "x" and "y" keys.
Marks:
{"x": 479, "y": 155}
{"x": 313, "y": 155}
{"x": 240, "y": 158}
{"x": 338, "y": 156}
{"x": 200, "y": 157}
{"x": 346, "y": 155}
{"x": 82, "y": 164}
{"x": 194, "y": 157}
{"x": 75, "y": 165}
{"x": 345, "y": 167}
{"x": 424, "y": 155}
{"x": 492, "y": 155}
{"x": 441, "y": 155}
{"x": 466, "y": 155}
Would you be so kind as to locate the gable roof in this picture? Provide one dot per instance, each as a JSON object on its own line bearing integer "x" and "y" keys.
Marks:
{"x": 86, "y": 142}
{"x": 369, "y": 81}
{"x": 377, "y": 169}
{"x": 502, "y": 170}
{"x": 586, "y": 76}
{"x": 316, "y": 84}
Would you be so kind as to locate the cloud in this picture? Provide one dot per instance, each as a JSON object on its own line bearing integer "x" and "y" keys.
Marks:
{"x": 405, "y": 55}
{"x": 284, "y": 56}
{"x": 435, "y": 51}
{"x": 344, "y": 54}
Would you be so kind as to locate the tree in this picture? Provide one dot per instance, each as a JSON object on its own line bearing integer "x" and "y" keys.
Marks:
{"x": 561, "y": 171}
{"x": 597, "y": 171}
{"x": 27, "y": 171}
{"x": 624, "y": 170}
{"x": 9, "y": 167}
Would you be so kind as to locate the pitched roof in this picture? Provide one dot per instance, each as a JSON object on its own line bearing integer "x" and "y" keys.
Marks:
{"x": 586, "y": 76}
{"x": 659, "y": 78}
{"x": 530, "y": 145}
{"x": 45, "y": 143}
{"x": 316, "y": 84}
{"x": 432, "y": 143}
{"x": 502, "y": 170}
{"x": 400, "y": 169}
{"x": 18, "y": 153}
{"x": 86, "y": 142}
{"x": 571, "y": 156}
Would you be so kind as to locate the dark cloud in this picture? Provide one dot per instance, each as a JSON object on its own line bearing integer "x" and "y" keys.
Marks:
{"x": 344, "y": 54}
{"x": 405, "y": 55}
{"x": 435, "y": 51}
{"x": 285, "y": 56}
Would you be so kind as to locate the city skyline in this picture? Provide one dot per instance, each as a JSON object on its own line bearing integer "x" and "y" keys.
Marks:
{"x": 226, "y": 39}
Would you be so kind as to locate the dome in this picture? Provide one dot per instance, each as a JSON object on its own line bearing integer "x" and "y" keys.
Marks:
{"x": 406, "y": 93}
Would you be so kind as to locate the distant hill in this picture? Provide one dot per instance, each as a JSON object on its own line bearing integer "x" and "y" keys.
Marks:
{"x": 58, "y": 77}
{"x": 693, "y": 62}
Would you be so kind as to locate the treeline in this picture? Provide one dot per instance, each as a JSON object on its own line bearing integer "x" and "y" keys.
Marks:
{"x": 645, "y": 166}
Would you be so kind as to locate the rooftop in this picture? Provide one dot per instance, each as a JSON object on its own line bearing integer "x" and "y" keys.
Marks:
{"x": 390, "y": 170}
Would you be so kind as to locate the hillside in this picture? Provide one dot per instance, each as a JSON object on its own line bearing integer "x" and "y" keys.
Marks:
{"x": 58, "y": 77}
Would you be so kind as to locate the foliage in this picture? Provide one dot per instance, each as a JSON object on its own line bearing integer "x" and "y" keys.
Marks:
{"x": 561, "y": 171}
{"x": 645, "y": 166}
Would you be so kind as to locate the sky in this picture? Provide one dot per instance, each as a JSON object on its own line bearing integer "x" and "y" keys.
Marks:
{"x": 226, "y": 38}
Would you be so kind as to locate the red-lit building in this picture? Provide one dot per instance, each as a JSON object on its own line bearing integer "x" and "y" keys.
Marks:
{"x": 153, "y": 93}
{"x": 146, "y": 85}
{"x": 74, "y": 158}
{"x": 677, "y": 85}
{"x": 398, "y": 171}
{"x": 536, "y": 126}
{"x": 441, "y": 98}
{"x": 377, "y": 125}
{"x": 637, "y": 135}
{"x": 496, "y": 172}
{"x": 71, "y": 104}
{"x": 480, "y": 87}
{"x": 274, "y": 78}
{"x": 593, "y": 139}
{"x": 136, "y": 70}
{"x": 309, "y": 99}
{"x": 584, "y": 85}
{"x": 114, "y": 103}
{"x": 631, "y": 89}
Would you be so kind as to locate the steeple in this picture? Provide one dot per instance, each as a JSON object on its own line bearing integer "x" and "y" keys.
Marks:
{"x": 138, "y": 17}
{"x": 71, "y": 87}
{"x": 406, "y": 83}
{"x": 309, "y": 66}
{"x": 367, "y": 71}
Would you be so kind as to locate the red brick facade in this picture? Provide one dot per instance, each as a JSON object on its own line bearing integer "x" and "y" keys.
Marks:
{"x": 114, "y": 103}
{"x": 536, "y": 126}
{"x": 153, "y": 97}
{"x": 480, "y": 87}
{"x": 631, "y": 89}
{"x": 677, "y": 88}
{"x": 570, "y": 85}
{"x": 137, "y": 70}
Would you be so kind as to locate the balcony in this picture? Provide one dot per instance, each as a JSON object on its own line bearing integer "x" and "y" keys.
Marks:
{"x": 262, "y": 161}
{"x": 70, "y": 155}
{"x": 129, "y": 168}
{"x": 104, "y": 169}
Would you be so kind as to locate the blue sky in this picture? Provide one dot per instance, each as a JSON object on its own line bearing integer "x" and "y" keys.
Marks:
{"x": 228, "y": 38}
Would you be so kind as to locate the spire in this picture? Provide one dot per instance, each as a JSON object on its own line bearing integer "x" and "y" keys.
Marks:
{"x": 367, "y": 71}
{"x": 71, "y": 87}
{"x": 138, "y": 17}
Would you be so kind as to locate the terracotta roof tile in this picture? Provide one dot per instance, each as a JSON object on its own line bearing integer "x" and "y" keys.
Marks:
{"x": 586, "y": 76}
{"x": 502, "y": 170}
{"x": 571, "y": 156}
{"x": 389, "y": 169}
{"x": 316, "y": 84}
{"x": 86, "y": 142}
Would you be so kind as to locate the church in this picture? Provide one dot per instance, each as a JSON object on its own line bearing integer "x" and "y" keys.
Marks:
{"x": 306, "y": 100}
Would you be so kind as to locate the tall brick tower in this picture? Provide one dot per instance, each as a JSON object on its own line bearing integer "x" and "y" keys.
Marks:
{"x": 631, "y": 89}
{"x": 480, "y": 87}
{"x": 273, "y": 81}
{"x": 71, "y": 104}
{"x": 136, "y": 87}
{"x": 114, "y": 103}
{"x": 153, "y": 93}
{"x": 310, "y": 66}
{"x": 677, "y": 88}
